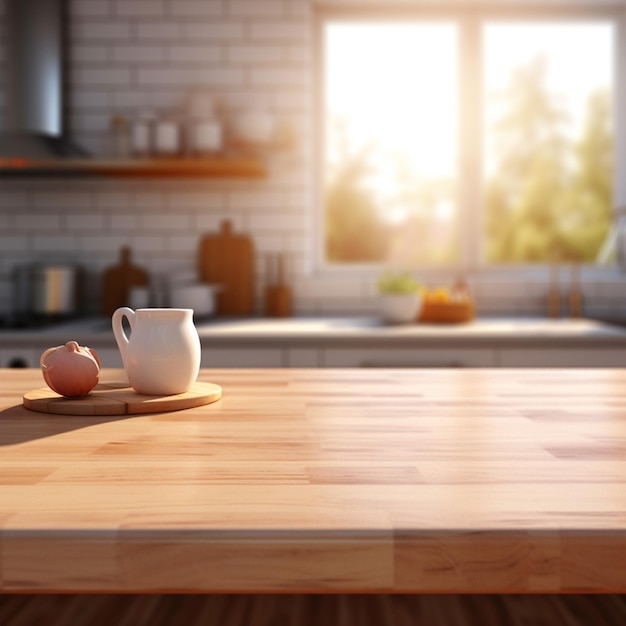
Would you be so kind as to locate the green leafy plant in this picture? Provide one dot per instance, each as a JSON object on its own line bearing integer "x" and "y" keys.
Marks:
{"x": 397, "y": 283}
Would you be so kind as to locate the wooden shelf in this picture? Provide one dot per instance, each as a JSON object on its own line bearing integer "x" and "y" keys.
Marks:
{"x": 218, "y": 167}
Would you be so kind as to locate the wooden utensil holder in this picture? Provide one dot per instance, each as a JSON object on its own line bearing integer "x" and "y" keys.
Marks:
{"x": 277, "y": 292}
{"x": 278, "y": 301}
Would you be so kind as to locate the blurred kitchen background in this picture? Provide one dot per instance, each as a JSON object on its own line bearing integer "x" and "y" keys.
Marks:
{"x": 262, "y": 72}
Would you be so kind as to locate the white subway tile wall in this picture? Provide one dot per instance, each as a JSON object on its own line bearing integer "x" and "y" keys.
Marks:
{"x": 129, "y": 55}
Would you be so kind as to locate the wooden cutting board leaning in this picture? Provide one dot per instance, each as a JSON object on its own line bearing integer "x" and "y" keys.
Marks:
{"x": 227, "y": 259}
{"x": 118, "y": 280}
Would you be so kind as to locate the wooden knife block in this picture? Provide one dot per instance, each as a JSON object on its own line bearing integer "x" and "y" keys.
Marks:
{"x": 278, "y": 301}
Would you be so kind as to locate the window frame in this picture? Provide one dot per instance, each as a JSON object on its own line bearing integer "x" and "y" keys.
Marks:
{"x": 470, "y": 21}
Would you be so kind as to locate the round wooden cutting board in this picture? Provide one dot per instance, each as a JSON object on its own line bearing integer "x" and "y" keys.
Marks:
{"x": 113, "y": 398}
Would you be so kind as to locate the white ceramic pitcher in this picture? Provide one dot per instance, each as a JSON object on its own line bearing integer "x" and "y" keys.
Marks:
{"x": 162, "y": 355}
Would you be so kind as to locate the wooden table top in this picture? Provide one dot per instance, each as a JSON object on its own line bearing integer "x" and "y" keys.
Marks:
{"x": 324, "y": 480}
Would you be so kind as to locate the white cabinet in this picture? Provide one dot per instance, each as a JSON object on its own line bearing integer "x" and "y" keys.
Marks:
{"x": 109, "y": 357}
{"x": 563, "y": 357}
{"x": 242, "y": 357}
{"x": 304, "y": 357}
{"x": 29, "y": 357}
{"x": 271, "y": 356}
{"x": 407, "y": 357}
{"x": 20, "y": 357}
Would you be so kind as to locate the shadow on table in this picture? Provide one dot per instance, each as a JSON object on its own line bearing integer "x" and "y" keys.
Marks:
{"x": 17, "y": 427}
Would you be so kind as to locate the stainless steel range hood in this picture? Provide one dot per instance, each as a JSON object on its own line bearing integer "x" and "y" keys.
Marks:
{"x": 35, "y": 123}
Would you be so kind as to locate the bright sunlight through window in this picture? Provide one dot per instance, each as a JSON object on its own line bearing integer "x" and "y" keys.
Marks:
{"x": 391, "y": 142}
{"x": 392, "y": 165}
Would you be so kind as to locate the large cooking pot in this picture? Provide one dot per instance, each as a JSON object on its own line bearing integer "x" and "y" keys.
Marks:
{"x": 45, "y": 289}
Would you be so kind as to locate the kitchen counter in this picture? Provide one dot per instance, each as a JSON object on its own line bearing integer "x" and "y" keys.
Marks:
{"x": 327, "y": 480}
{"x": 359, "y": 342}
{"x": 371, "y": 329}
{"x": 351, "y": 329}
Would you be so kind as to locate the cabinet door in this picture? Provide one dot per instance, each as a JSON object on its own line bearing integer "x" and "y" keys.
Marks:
{"x": 20, "y": 357}
{"x": 109, "y": 357}
{"x": 304, "y": 357}
{"x": 404, "y": 357}
{"x": 567, "y": 357}
{"x": 242, "y": 357}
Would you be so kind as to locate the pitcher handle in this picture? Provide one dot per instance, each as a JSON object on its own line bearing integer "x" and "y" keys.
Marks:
{"x": 118, "y": 331}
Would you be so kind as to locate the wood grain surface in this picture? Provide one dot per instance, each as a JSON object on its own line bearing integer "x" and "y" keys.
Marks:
{"x": 325, "y": 480}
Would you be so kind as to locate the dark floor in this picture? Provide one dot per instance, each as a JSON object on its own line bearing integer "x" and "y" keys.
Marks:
{"x": 309, "y": 610}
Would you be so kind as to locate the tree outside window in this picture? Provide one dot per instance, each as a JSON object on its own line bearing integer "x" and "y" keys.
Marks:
{"x": 391, "y": 172}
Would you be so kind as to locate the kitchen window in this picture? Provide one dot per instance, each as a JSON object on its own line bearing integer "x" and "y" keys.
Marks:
{"x": 467, "y": 141}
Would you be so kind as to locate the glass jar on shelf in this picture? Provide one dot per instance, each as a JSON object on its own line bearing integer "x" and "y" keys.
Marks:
{"x": 168, "y": 137}
{"x": 141, "y": 133}
{"x": 119, "y": 146}
{"x": 205, "y": 137}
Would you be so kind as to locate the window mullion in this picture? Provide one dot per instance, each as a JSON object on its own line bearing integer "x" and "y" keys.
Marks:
{"x": 619, "y": 179}
{"x": 470, "y": 162}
